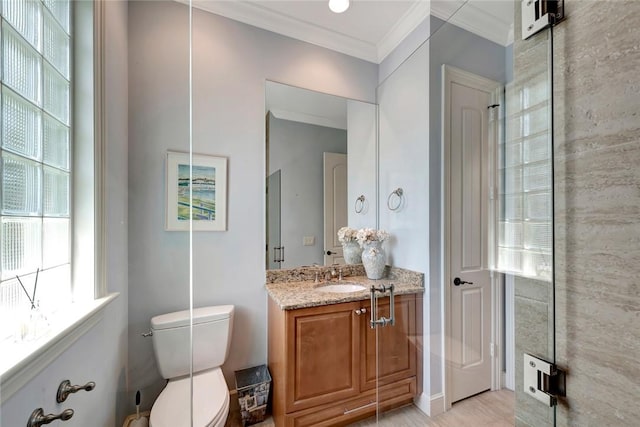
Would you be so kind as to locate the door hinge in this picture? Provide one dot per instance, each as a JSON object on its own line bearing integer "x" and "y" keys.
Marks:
{"x": 540, "y": 14}
{"x": 492, "y": 349}
{"x": 543, "y": 380}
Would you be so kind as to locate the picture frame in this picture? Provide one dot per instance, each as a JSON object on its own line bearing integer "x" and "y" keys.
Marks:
{"x": 209, "y": 182}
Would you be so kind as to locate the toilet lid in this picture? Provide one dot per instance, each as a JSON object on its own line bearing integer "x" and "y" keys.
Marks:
{"x": 210, "y": 401}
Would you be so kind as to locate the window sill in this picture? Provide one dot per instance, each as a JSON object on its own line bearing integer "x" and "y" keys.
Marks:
{"x": 33, "y": 357}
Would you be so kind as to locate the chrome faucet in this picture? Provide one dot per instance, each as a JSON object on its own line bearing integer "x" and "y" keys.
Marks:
{"x": 330, "y": 275}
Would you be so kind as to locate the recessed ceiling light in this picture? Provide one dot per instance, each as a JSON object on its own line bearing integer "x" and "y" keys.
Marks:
{"x": 338, "y": 6}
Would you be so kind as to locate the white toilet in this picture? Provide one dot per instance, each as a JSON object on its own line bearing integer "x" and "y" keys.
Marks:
{"x": 212, "y": 328}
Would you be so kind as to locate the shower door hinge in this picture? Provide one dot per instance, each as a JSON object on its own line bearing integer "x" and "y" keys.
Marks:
{"x": 543, "y": 380}
{"x": 540, "y": 14}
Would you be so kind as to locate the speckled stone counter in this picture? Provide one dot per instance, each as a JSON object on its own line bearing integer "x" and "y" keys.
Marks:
{"x": 296, "y": 288}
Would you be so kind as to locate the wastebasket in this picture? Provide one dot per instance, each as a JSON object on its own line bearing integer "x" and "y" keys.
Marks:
{"x": 252, "y": 385}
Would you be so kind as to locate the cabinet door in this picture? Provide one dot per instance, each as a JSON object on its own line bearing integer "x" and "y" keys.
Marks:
{"x": 322, "y": 355}
{"x": 396, "y": 344}
{"x": 346, "y": 412}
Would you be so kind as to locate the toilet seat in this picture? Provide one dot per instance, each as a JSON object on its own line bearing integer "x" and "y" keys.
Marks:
{"x": 210, "y": 402}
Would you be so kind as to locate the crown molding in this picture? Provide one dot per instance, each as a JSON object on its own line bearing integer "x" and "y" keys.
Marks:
{"x": 469, "y": 17}
{"x": 257, "y": 16}
{"x": 409, "y": 21}
{"x": 475, "y": 20}
{"x": 296, "y": 116}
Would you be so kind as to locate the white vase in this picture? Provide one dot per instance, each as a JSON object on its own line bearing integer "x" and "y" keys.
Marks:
{"x": 373, "y": 260}
{"x": 352, "y": 252}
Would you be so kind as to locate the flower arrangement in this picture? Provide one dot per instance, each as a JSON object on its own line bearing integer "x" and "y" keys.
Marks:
{"x": 367, "y": 235}
{"x": 346, "y": 234}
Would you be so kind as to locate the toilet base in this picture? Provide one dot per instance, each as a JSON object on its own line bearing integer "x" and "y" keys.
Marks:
{"x": 210, "y": 404}
{"x": 130, "y": 418}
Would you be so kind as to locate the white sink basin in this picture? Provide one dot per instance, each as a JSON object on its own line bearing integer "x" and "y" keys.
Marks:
{"x": 341, "y": 288}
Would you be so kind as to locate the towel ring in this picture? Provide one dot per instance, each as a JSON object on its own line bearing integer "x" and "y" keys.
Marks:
{"x": 398, "y": 192}
{"x": 359, "y": 206}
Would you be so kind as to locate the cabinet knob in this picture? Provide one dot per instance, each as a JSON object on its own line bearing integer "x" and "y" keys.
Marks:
{"x": 361, "y": 311}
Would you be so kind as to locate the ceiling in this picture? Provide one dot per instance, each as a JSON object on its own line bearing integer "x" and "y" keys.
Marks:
{"x": 369, "y": 29}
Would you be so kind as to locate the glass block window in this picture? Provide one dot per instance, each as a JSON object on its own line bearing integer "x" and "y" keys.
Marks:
{"x": 35, "y": 173}
{"x": 524, "y": 242}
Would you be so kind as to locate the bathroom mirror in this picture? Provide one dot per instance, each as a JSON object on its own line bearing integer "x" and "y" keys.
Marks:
{"x": 320, "y": 173}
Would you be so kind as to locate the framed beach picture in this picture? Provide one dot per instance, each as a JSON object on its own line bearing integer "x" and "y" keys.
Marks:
{"x": 207, "y": 187}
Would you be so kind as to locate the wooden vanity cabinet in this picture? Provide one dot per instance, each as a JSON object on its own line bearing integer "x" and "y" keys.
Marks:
{"x": 323, "y": 361}
{"x": 397, "y": 355}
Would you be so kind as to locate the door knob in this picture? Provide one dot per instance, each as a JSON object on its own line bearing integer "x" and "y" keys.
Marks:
{"x": 459, "y": 282}
{"x": 330, "y": 253}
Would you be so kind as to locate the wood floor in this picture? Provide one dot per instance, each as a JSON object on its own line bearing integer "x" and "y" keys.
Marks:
{"x": 489, "y": 409}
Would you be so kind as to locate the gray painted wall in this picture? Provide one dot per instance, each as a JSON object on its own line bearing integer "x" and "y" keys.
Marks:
{"x": 362, "y": 136}
{"x": 101, "y": 354}
{"x": 403, "y": 162}
{"x": 297, "y": 150}
{"x": 460, "y": 48}
{"x": 404, "y": 50}
{"x": 231, "y": 63}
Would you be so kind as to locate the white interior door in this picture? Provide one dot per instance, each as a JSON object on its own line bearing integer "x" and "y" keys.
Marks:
{"x": 335, "y": 205}
{"x": 470, "y": 357}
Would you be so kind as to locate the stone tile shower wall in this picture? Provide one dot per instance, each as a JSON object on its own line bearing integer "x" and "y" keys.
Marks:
{"x": 597, "y": 218}
{"x": 597, "y": 92}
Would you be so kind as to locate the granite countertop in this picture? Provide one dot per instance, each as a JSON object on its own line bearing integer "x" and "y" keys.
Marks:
{"x": 295, "y": 293}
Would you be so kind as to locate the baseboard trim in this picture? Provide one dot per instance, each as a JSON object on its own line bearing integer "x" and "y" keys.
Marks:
{"x": 423, "y": 403}
{"x": 437, "y": 404}
{"x": 430, "y": 405}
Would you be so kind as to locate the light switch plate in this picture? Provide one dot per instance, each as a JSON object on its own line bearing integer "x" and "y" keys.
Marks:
{"x": 308, "y": 240}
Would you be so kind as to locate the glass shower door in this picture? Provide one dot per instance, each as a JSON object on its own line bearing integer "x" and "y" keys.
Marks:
{"x": 517, "y": 225}
{"x": 526, "y": 240}
{"x": 392, "y": 348}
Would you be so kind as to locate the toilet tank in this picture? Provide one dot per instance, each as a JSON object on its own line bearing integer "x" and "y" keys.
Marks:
{"x": 212, "y": 327}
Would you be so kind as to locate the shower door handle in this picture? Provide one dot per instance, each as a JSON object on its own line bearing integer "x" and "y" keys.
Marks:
{"x": 384, "y": 321}
{"x": 278, "y": 254}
